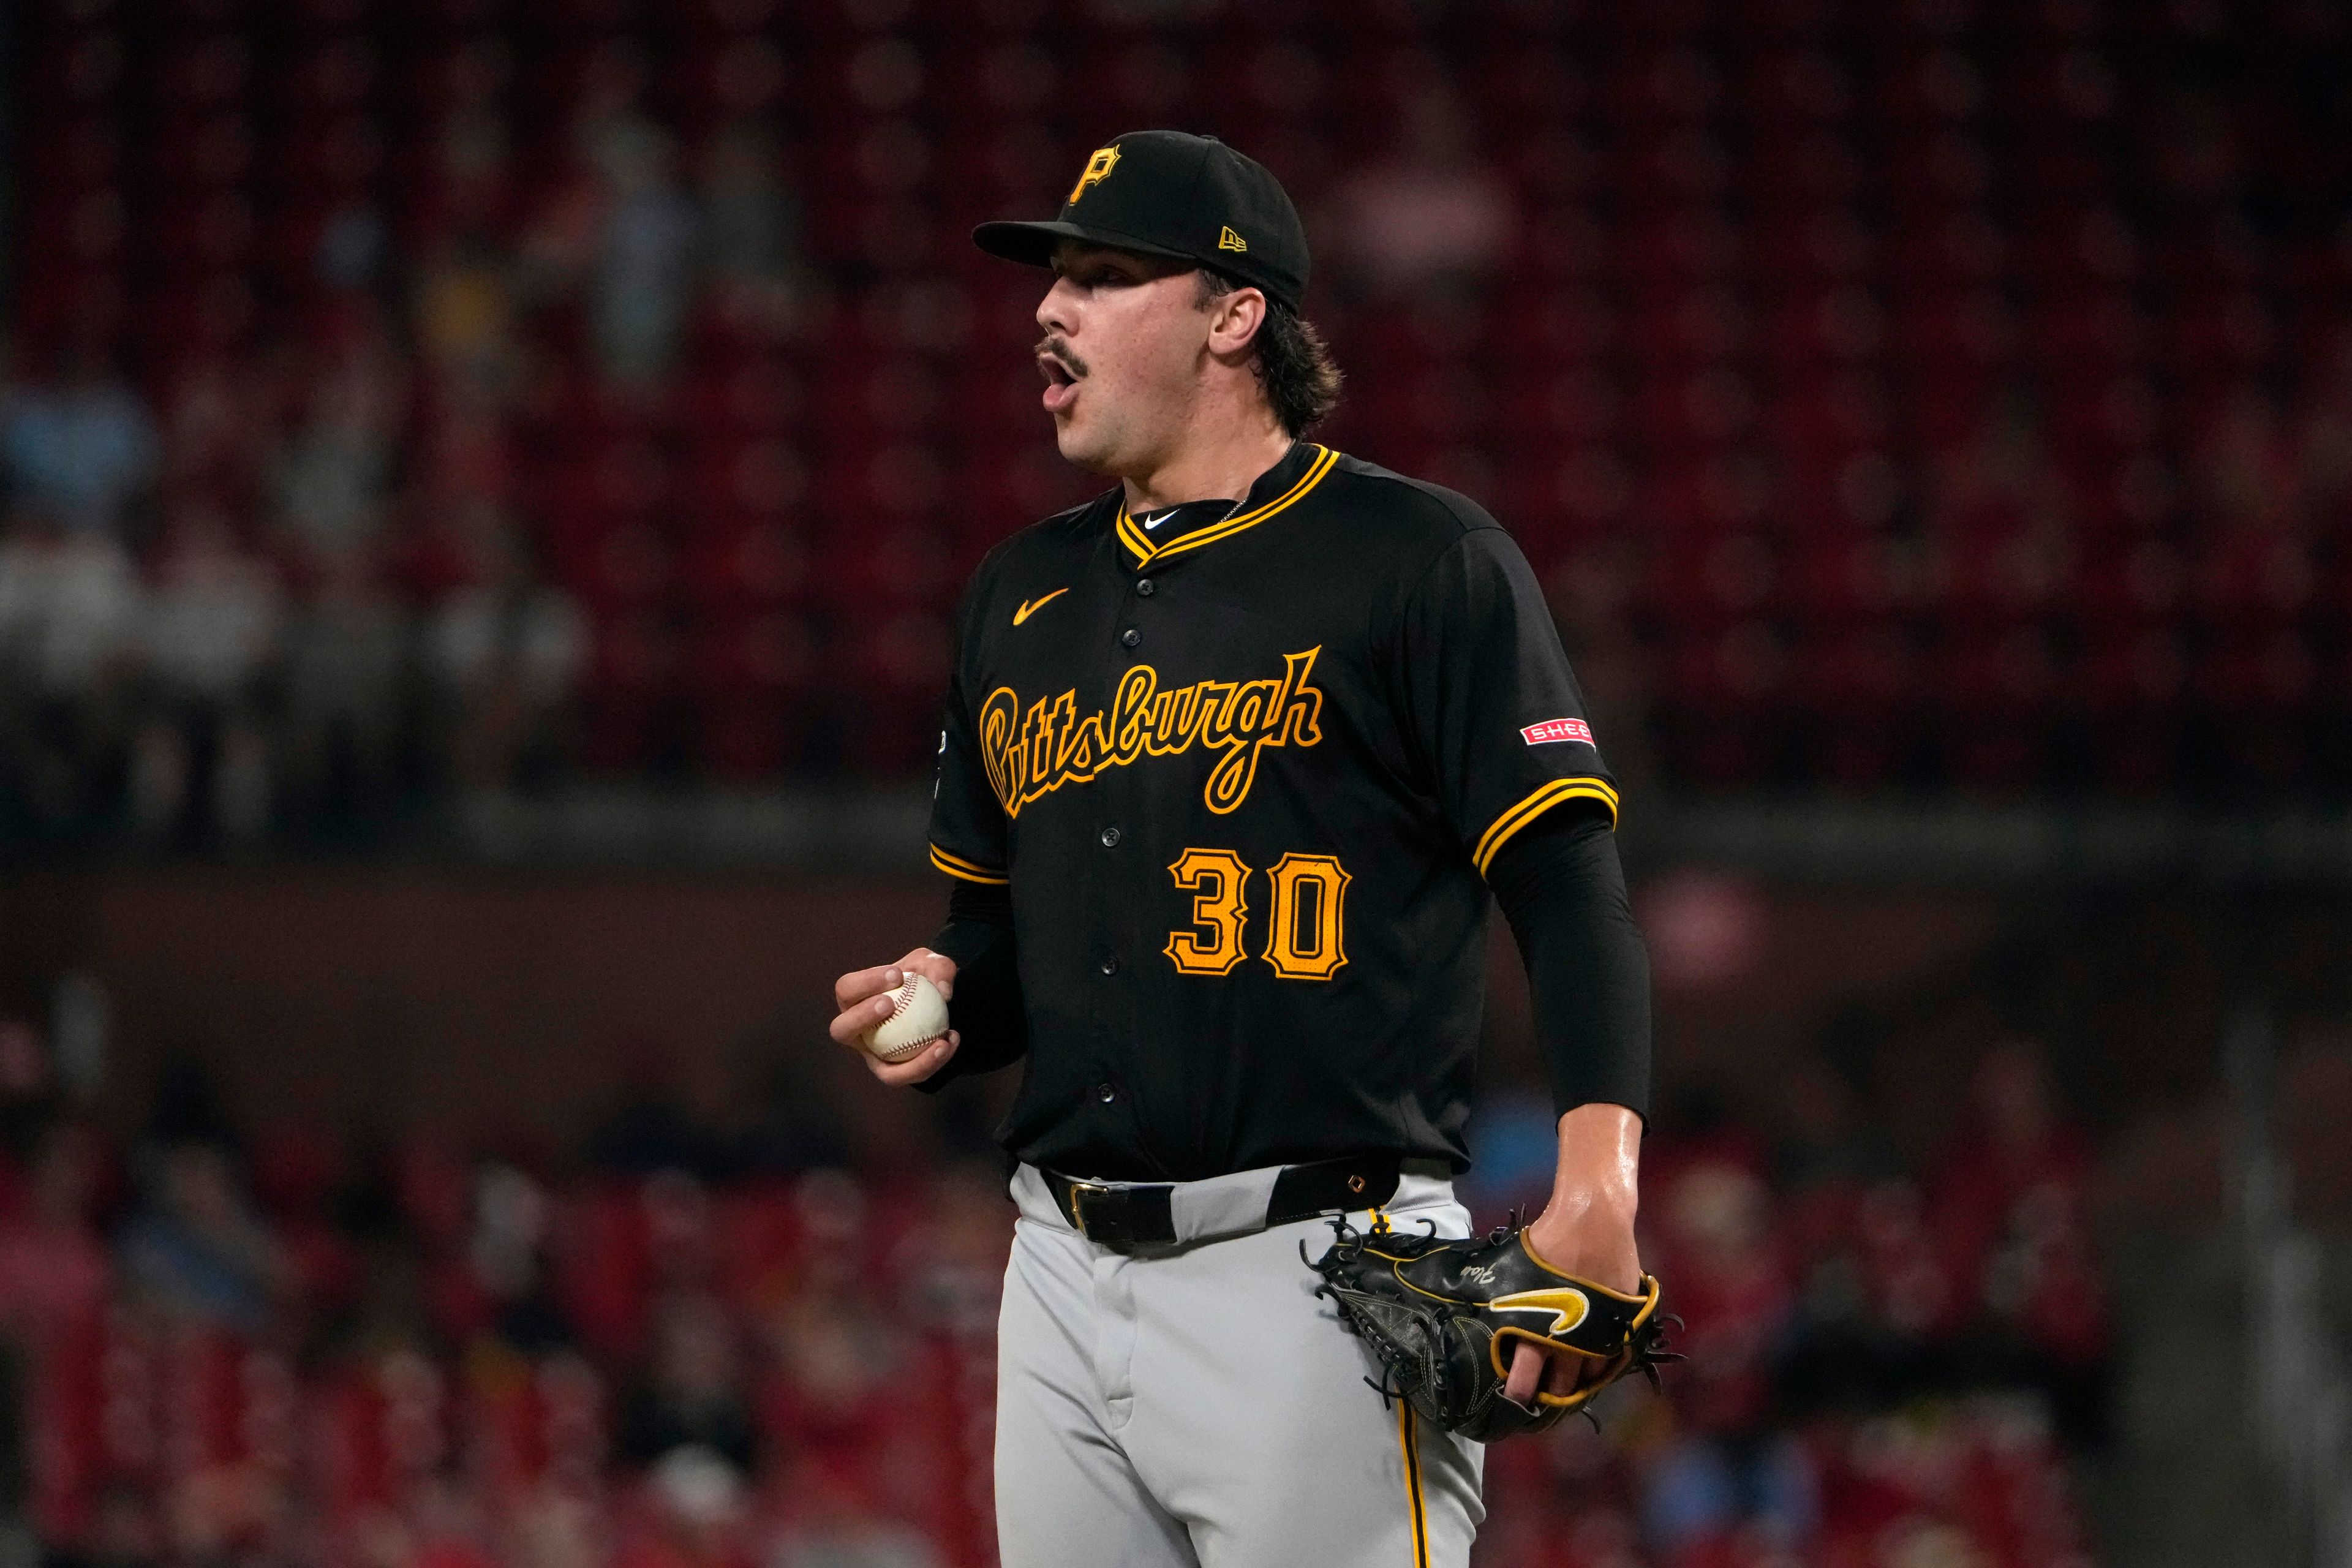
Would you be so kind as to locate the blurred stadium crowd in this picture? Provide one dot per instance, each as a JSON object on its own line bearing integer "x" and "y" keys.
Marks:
{"x": 404, "y": 404}
{"x": 1942, "y": 393}
{"x": 769, "y": 1344}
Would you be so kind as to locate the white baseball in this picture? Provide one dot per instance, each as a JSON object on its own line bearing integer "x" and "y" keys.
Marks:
{"x": 919, "y": 1014}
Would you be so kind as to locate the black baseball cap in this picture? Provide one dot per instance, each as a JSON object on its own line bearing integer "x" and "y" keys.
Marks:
{"x": 1173, "y": 194}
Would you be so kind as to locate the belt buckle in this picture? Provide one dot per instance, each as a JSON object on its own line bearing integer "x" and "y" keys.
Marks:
{"x": 1078, "y": 1191}
{"x": 1111, "y": 1225}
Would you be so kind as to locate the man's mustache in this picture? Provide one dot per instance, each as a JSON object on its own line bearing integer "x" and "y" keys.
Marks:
{"x": 1058, "y": 351}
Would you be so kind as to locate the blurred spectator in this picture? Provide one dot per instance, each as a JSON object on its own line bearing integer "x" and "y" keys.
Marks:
{"x": 825, "y": 1442}
{"x": 69, "y": 608}
{"x": 70, "y": 612}
{"x": 698, "y": 1515}
{"x": 28, "y": 1100}
{"x": 1428, "y": 219}
{"x": 2012, "y": 1200}
{"x": 337, "y": 464}
{"x": 354, "y": 250}
{"x": 469, "y": 192}
{"x": 212, "y": 633}
{"x": 347, "y": 656}
{"x": 750, "y": 229}
{"x": 507, "y": 652}
{"x": 441, "y": 1534}
{"x": 838, "y": 1371}
{"x": 464, "y": 275}
{"x": 831, "y": 1521}
{"x": 450, "y": 1530}
{"x": 196, "y": 1249}
{"x": 1878, "y": 1308}
{"x": 216, "y": 423}
{"x": 81, "y": 448}
{"x": 502, "y": 1289}
{"x": 54, "y": 1270}
{"x": 1829, "y": 1147}
{"x": 214, "y": 616}
{"x": 226, "y": 1513}
{"x": 1727, "y": 1472}
{"x": 642, "y": 278}
{"x": 1711, "y": 1498}
{"x": 389, "y": 1303}
{"x": 1869, "y": 1287}
{"x": 556, "y": 1528}
{"x": 1721, "y": 1244}
{"x": 691, "y": 1398}
{"x": 464, "y": 456}
{"x": 2043, "y": 407}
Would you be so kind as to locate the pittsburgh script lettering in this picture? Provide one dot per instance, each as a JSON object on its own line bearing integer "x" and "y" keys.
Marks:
{"x": 1036, "y": 750}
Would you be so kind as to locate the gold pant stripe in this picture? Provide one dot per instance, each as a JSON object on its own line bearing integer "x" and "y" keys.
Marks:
{"x": 1409, "y": 1444}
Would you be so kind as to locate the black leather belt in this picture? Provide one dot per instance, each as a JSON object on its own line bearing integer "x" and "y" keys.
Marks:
{"x": 1142, "y": 1214}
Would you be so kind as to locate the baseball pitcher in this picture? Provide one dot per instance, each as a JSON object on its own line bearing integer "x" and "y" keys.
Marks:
{"x": 1234, "y": 756}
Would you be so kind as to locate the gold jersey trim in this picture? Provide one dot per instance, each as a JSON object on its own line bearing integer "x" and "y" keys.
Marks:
{"x": 1534, "y": 805}
{"x": 1131, "y": 535}
{"x": 970, "y": 870}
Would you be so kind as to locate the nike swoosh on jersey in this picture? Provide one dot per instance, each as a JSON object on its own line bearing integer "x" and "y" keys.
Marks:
{"x": 1571, "y": 1305}
{"x": 1156, "y": 521}
{"x": 1028, "y": 609}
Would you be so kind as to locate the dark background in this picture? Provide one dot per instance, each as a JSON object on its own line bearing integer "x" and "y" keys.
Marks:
{"x": 485, "y": 487}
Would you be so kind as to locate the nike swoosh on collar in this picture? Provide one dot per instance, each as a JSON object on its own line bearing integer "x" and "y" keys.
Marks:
{"x": 1028, "y": 609}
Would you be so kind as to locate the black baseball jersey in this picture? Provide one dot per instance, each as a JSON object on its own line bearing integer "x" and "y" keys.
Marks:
{"x": 1244, "y": 768}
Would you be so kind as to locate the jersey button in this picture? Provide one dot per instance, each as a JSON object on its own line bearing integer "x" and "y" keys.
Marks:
{"x": 1106, "y": 1093}
{"x": 1110, "y": 964}
{"x": 1110, "y": 837}
{"x": 1130, "y": 638}
{"x": 1143, "y": 587}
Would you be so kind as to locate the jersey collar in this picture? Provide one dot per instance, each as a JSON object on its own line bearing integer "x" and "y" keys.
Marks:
{"x": 1300, "y": 470}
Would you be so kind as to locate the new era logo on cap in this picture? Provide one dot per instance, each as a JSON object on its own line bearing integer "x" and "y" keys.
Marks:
{"x": 1228, "y": 241}
{"x": 1557, "y": 729}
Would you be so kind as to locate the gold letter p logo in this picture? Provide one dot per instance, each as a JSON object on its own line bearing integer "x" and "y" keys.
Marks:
{"x": 1097, "y": 170}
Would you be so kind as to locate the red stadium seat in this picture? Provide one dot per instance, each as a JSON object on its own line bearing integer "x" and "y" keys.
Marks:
{"x": 1800, "y": 248}
{"x": 1778, "y": 268}
{"x": 732, "y": 563}
{"x": 1790, "y": 87}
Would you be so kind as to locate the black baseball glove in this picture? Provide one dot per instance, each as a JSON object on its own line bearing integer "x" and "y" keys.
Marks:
{"x": 1445, "y": 1316}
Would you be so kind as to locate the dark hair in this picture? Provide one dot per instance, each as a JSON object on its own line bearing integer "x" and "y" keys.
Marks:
{"x": 1293, "y": 363}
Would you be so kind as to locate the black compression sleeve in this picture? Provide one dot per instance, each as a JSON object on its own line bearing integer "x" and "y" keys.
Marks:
{"x": 1563, "y": 890}
{"x": 986, "y": 1008}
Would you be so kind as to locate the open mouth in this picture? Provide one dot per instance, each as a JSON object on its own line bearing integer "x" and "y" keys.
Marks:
{"x": 1061, "y": 383}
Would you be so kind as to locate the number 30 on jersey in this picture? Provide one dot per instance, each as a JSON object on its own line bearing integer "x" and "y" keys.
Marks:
{"x": 1305, "y": 936}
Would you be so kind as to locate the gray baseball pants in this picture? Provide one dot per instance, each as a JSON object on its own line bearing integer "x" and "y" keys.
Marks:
{"x": 1197, "y": 1406}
